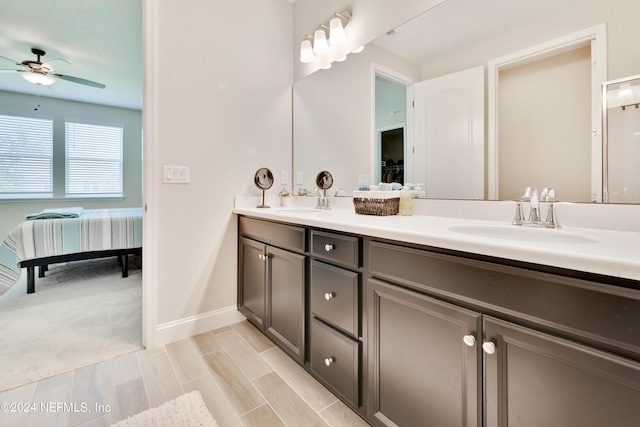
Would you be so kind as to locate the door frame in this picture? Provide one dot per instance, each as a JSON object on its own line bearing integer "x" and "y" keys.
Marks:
{"x": 595, "y": 36}
{"x": 408, "y": 82}
{"x": 150, "y": 175}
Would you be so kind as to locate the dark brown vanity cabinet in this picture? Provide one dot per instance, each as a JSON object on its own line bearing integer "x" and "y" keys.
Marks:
{"x": 271, "y": 281}
{"x": 334, "y": 305}
{"x": 461, "y": 342}
{"x": 412, "y": 336}
{"x": 536, "y": 379}
{"x": 423, "y": 360}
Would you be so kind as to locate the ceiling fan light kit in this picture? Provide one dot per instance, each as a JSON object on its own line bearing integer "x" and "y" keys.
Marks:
{"x": 43, "y": 74}
{"x": 38, "y": 78}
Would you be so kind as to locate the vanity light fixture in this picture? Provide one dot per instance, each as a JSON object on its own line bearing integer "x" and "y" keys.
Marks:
{"x": 306, "y": 51}
{"x": 342, "y": 59}
{"x": 358, "y": 50}
{"x": 320, "y": 44}
{"x": 38, "y": 78}
{"x": 327, "y": 67}
{"x": 337, "y": 35}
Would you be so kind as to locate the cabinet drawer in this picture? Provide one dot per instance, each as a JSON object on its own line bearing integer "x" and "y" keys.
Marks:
{"x": 335, "y": 296}
{"x": 335, "y": 359}
{"x": 336, "y": 247}
{"x": 280, "y": 235}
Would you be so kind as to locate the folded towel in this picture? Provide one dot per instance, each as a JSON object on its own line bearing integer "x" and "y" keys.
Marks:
{"x": 56, "y": 213}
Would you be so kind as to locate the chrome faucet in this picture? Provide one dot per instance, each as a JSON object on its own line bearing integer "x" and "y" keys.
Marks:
{"x": 530, "y": 195}
{"x": 323, "y": 201}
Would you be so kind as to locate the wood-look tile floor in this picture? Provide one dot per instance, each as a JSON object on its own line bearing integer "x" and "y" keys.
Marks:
{"x": 244, "y": 379}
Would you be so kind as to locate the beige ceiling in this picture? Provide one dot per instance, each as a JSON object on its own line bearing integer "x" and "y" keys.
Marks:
{"x": 102, "y": 40}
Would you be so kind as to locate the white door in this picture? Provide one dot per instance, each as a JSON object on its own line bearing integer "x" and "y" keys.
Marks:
{"x": 449, "y": 135}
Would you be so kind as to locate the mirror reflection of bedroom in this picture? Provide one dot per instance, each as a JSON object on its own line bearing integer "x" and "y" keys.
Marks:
{"x": 70, "y": 185}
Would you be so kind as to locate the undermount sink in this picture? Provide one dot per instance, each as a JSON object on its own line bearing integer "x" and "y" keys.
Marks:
{"x": 522, "y": 234}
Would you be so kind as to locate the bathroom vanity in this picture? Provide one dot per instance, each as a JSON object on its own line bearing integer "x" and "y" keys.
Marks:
{"x": 436, "y": 321}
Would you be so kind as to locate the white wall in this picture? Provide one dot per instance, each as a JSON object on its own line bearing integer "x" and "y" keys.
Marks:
{"x": 220, "y": 104}
{"x": 13, "y": 212}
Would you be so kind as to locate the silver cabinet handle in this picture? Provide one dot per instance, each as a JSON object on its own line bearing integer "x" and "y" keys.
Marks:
{"x": 329, "y": 247}
{"x": 329, "y": 295}
{"x": 263, "y": 257}
{"x": 489, "y": 347}
{"x": 329, "y": 360}
{"x": 469, "y": 340}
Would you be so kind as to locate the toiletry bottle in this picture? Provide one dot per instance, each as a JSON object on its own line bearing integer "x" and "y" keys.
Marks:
{"x": 406, "y": 202}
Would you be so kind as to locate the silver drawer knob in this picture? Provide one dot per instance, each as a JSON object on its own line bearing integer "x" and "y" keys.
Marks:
{"x": 489, "y": 347}
{"x": 329, "y": 247}
{"x": 329, "y": 295}
{"x": 329, "y": 360}
{"x": 469, "y": 340}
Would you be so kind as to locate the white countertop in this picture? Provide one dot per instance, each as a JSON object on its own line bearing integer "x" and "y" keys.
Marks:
{"x": 606, "y": 252}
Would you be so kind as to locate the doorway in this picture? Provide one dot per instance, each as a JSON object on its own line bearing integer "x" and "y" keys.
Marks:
{"x": 393, "y": 149}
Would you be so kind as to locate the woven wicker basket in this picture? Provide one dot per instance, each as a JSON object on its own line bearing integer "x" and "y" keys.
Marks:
{"x": 380, "y": 203}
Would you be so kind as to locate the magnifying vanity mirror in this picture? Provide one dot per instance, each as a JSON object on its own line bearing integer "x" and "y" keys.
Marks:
{"x": 517, "y": 97}
{"x": 264, "y": 181}
{"x": 324, "y": 181}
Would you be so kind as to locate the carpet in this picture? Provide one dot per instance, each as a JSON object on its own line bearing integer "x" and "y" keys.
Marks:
{"x": 188, "y": 410}
{"x": 82, "y": 313}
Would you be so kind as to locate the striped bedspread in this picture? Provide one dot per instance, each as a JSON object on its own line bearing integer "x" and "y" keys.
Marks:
{"x": 93, "y": 230}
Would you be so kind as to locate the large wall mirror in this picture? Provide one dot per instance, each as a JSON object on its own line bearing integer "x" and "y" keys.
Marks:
{"x": 475, "y": 99}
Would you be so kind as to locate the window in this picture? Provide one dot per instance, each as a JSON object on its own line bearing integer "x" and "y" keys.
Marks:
{"x": 26, "y": 157}
{"x": 93, "y": 160}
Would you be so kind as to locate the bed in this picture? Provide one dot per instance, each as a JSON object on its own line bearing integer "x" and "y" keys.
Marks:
{"x": 70, "y": 234}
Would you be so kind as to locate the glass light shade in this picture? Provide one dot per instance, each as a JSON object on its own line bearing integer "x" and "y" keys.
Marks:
{"x": 358, "y": 50}
{"x": 38, "y": 79}
{"x": 342, "y": 59}
{"x": 337, "y": 35}
{"x": 320, "y": 44}
{"x": 625, "y": 90}
{"x": 327, "y": 67}
{"x": 306, "y": 52}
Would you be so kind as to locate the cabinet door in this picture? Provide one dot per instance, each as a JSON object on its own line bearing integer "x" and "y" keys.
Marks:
{"x": 422, "y": 372}
{"x": 251, "y": 280}
{"x": 285, "y": 300}
{"x": 535, "y": 379}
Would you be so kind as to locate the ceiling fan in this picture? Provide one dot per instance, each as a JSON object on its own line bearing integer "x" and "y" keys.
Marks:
{"x": 43, "y": 74}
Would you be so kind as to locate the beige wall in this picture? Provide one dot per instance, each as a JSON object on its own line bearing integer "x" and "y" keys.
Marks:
{"x": 222, "y": 76}
{"x": 542, "y": 146}
{"x": 13, "y": 212}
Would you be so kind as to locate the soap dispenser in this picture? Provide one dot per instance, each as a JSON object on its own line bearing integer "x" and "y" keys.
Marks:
{"x": 406, "y": 202}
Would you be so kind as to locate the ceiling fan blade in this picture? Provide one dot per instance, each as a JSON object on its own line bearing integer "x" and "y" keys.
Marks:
{"x": 9, "y": 70}
{"x": 78, "y": 80}
{"x": 9, "y": 59}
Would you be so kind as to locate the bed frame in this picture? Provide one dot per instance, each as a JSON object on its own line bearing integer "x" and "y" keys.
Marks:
{"x": 43, "y": 263}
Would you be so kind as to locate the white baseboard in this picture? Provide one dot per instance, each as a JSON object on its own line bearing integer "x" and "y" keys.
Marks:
{"x": 189, "y": 326}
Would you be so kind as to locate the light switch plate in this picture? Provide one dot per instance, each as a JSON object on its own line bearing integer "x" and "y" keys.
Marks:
{"x": 175, "y": 174}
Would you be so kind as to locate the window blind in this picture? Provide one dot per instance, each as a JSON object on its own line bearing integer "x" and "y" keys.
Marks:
{"x": 93, "y": 160}
{"x": 26, "y": 157}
